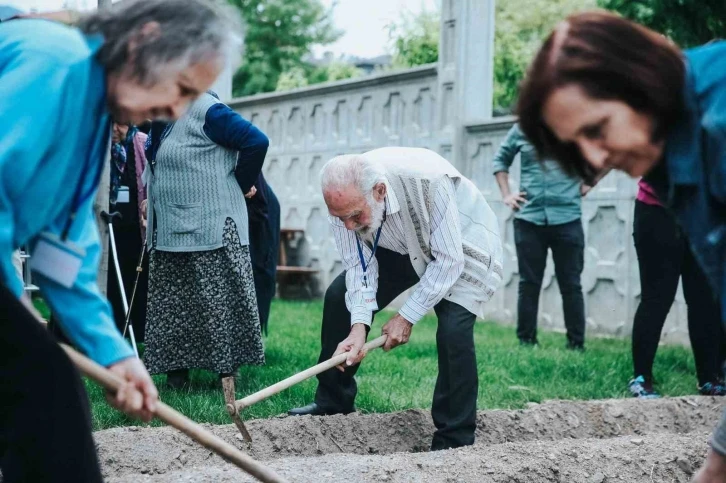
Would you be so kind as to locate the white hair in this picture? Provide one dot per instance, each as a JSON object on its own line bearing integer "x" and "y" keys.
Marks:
{"x": 352, "y": 170}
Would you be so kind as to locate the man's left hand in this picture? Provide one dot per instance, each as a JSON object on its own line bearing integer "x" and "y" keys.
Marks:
{"x": 398, "y": 331}
{"x": 252, "y": 192}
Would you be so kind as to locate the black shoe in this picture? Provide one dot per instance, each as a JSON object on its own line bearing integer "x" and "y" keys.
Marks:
{"x": 442, "y": 445}
{"x": 178, "y": 379}
{"x": 575, "y": 347}
{"x": 313, "y": 409}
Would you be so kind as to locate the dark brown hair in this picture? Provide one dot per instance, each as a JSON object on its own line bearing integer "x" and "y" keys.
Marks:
{"x": 610, "y": 58}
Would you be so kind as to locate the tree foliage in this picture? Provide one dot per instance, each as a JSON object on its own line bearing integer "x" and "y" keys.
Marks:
{"x": 687, "y": 22}
{"x": 415, "y": 39}
{"x": 279, "y": 36}
{"x": 301, "y": 76}
{"x": 520, "y": 28}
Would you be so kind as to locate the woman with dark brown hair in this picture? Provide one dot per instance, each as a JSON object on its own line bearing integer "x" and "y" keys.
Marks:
{"x": 605, "y": 93}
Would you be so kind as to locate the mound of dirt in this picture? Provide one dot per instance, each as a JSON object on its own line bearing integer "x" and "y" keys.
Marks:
{"x": 670, "y": 434}
{"x": 655, "y": 458}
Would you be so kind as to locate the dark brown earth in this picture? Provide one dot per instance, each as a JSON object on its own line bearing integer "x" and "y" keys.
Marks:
{"x": 557, "y": 441}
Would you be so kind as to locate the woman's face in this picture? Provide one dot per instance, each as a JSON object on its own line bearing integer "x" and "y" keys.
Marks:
{"x": 118, "y": 133}
{"x": 167, "y": 99}
{"x": 609, "y": 133}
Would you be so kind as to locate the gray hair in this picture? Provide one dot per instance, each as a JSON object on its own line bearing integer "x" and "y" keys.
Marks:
{"x": 190, "y": 31}
{"x": 352, "y": 170}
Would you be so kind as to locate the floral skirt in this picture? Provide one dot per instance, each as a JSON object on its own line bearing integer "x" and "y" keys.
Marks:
{"x": 202, "y": 310}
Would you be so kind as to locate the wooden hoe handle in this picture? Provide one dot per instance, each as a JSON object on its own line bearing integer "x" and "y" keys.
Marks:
{"x": 301, "y": 376}
{"x": 112, "y": 382}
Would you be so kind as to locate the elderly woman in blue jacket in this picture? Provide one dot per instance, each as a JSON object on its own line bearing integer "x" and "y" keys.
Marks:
{"x": 141, "y": 59}
{"x": 202, "y": 308}
{"x": 606, "y": 93}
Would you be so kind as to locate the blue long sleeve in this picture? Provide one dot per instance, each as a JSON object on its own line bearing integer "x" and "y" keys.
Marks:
{"x": 227, "y": 128}
{"x": 49, "y": 82}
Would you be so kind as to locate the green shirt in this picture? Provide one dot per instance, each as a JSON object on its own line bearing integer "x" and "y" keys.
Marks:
{"x": 553, "y": 197}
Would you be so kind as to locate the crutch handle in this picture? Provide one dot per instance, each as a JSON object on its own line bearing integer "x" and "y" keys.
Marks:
{"x": 109, "y": 217}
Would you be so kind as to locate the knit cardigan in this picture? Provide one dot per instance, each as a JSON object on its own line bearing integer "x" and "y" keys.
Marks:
{"x": 414, "y": 175}
{"x": 193, "y": 189}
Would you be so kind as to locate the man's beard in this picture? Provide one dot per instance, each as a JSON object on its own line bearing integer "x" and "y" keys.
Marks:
{"x": 378, "y": 208}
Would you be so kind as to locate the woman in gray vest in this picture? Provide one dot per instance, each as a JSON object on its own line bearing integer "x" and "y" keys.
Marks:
{"x": 202, "y": 310}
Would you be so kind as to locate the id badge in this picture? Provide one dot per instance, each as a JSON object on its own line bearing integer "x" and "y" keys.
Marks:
{"x": 369, "y": 298}
{"x": 123, "y": 194}
{"x": 57, "y": 260}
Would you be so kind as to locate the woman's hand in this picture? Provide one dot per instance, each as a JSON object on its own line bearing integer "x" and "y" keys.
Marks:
{"x": 252, "y": 193}
{"x": 138, "y": 396}
{"x": 142, "y": 208}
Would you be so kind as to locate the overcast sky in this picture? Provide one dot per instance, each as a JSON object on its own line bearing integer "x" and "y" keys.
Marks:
{"x": 364, "y": 21}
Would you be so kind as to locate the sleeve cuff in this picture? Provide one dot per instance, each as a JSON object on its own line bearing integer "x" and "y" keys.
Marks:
{"x": 497, "y": 168}
{"x": 114, "y": 350}
{"x": 413, "y": 311}
{"x": 360, "y": 315}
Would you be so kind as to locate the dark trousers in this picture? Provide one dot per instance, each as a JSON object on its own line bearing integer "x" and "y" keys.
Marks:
{"x": 567, "y": 242}
{"x": 664, "y": 257}
{"x": 264, "y": 233}
{"x": 45, "y": 426}
{"x": 454, "y": 401}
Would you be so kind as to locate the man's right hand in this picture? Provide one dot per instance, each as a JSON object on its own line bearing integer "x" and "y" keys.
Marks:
{"x": 353, "y": 344}
{"x": 513, "y": 200}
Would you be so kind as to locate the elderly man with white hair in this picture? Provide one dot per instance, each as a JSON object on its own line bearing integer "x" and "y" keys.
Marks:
{"x": 402, "y": 218}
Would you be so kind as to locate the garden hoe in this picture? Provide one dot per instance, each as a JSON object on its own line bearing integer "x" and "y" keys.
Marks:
{"x": 111, "y": 381}
{"x": 234, "y": 408}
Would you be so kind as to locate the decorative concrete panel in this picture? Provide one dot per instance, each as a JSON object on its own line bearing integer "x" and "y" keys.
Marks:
{"x": 428, "y": 107}
{"x": 309, "y": 126}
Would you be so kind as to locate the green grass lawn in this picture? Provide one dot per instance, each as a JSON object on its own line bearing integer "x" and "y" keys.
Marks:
{"x": 509, "y": 376}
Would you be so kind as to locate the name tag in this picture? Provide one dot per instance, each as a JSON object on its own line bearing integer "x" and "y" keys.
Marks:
{"x": 369, "y": 298}
{"x": 57, "y": 260}
{"x": 123, "y": 194}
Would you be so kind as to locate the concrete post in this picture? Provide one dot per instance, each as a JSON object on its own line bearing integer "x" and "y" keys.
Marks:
{"x": 466, "y": 66}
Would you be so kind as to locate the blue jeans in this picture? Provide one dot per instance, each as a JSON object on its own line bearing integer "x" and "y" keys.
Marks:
{"x": 567, "y": 242}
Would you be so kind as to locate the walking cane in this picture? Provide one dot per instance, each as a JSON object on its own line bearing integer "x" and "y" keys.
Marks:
{"x": 139, "y": 269}
{"x": 108, "y": 218}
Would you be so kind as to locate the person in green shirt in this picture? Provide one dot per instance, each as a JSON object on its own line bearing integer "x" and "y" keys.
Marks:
{"x": 546, "y": 216}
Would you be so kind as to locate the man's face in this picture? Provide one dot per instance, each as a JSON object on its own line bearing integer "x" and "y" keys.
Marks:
{"x": 359, "y": 213}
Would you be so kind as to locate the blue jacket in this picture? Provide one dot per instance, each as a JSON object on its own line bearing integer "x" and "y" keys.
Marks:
{"x": 54, "y": 139}
{"x": 693, "y": 177}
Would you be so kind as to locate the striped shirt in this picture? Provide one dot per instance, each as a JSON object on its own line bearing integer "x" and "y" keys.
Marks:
{"x": 441, "y": 273}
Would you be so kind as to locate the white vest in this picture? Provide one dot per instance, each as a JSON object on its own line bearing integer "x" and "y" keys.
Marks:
{"x": 414, "y": 174}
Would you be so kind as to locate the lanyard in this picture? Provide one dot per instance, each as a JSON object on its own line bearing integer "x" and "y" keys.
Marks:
{"x": 373, "y": 252}
{"x": 79, "y": 197}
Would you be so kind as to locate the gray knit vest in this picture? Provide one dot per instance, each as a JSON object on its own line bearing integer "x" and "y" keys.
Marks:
{"x": 192, "y": 190}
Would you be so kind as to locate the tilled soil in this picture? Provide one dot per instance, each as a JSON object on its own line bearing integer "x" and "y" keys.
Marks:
{"x": 557, "y": 441}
